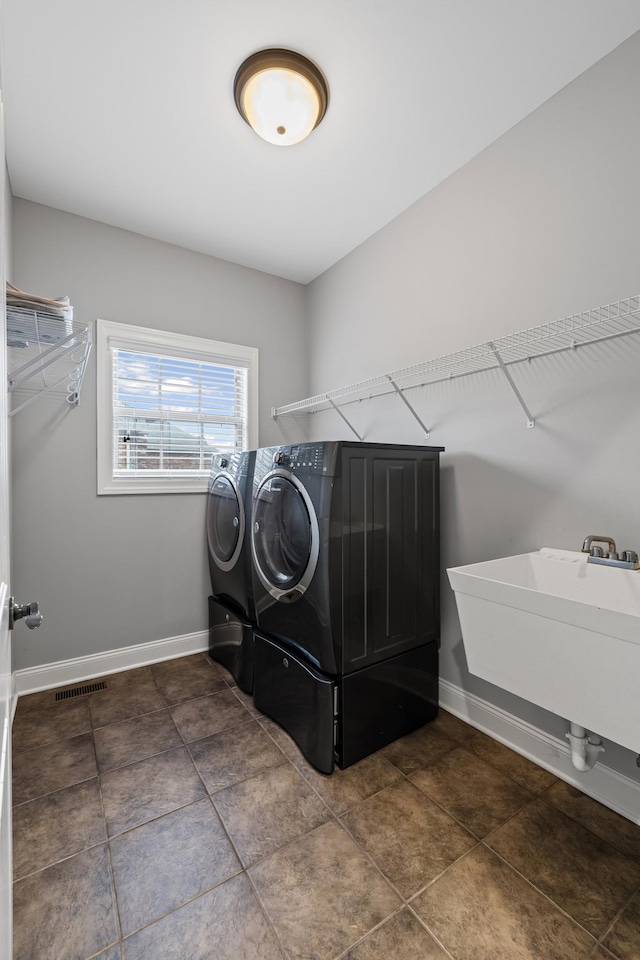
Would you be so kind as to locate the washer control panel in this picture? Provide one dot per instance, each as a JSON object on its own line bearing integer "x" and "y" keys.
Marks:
{"x": 226, "y": 461}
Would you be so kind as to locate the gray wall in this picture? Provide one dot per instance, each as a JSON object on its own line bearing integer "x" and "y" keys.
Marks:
{"x": 541, "y": 225}
{"x": 111, "y": 572}
{"x": 8, "y": 224}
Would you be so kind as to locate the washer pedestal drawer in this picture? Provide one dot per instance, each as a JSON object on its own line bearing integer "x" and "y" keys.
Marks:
{"x": 231, "y": 643}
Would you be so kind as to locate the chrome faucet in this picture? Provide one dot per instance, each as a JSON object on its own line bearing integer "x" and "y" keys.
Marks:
{"x": 586, "y": 546}
{"x": 628, "y": 559}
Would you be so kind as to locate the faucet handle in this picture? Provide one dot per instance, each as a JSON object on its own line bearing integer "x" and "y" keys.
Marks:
{"x": 630, "y": 556}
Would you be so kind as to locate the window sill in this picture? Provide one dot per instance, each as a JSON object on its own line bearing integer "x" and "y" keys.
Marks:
{"x": 151, "y": 485}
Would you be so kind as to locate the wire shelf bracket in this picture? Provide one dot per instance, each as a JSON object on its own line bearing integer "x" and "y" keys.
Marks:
{"x": 340, "y": 413}
{"x": 404, "y": 400}
{"x": 618, "y": 319}
{"x": 46, "y": 356}
{"x": 530, "y": 421}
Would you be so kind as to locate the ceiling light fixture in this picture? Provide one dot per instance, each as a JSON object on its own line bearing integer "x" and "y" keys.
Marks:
{"x": 281, "y": 94}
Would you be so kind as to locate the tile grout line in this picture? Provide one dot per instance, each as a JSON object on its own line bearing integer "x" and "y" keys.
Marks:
{"x": 288, "y": 760}
{"x": 431, "y": 932}
{"x": 504, "y": 773}
{"x": 369, "y": 856}
{"x": 631, "y": 860}
{"x": 179, "y": 906}
{"x": 158, "y": 753}
{"x": 41, "y": 796}
{"x": 54, "y": 863}
{"x": 616, "y": 918}
{"x": 243, "y": 779}
{"x": 52, "y": 743}
{"x": 75, "y": 783}
{"x": 265, "y": 913}
{"x": 589, "y": 829}
{"x": 546, "y": 896}
{"x": 378, "y": 926}
{"x": 599, "y": 952}
{"x": 297, "y": 769}
{"x": 116, "y": 908}
{"x": 233, "y": 726}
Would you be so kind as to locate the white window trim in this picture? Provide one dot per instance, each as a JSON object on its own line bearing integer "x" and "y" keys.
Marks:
{"x": 141, "y": 338}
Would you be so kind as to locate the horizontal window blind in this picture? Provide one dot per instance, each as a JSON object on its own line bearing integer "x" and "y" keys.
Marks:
{"x": 170, "y": 413}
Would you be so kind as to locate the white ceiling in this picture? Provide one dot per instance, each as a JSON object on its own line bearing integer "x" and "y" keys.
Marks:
{"x": 122, "y": 110}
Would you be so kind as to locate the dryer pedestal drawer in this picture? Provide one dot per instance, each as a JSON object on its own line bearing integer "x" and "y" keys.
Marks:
{"x": 231, "y": 643}
{"x": 344, "y": 719}
{"x": 299, "y": 698}
{"x": 386, "y": 701}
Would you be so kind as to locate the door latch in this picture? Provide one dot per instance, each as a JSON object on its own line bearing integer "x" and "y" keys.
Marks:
{"x": 29, "y": 612}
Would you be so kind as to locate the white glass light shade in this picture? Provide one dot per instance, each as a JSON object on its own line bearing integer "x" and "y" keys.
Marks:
{"x": 281, "y": 105}
{"x": 281, "y": 95}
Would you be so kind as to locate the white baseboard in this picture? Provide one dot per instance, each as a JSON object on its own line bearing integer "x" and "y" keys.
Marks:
{"x": 610, "y": 788}
{"x": 65, "y": 672}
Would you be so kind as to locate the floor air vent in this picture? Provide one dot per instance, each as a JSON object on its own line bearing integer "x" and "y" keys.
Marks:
{"x": 80, "y": 691}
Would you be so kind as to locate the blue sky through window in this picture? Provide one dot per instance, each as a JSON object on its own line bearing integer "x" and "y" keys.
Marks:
{"x": 145, "y": 382}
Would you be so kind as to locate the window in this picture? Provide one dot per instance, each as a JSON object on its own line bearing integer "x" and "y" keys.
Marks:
{"x": 166, "y": 403}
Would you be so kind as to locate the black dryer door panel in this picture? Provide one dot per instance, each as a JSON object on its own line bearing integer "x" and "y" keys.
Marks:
{"x": 284, "y": 536}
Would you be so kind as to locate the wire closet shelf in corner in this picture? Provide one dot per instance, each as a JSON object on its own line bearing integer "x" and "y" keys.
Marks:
{"x": 46, "y": 356}
{"x": 607, "y": 322}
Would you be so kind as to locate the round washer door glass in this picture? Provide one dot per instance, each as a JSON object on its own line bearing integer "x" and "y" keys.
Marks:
{"x": 283, "y": 536}
{"x": 225, "y": 521}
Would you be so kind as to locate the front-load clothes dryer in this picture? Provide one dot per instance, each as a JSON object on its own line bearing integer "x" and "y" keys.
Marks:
{"x": 345, "y": 546}
{"x": 231, "y": 606}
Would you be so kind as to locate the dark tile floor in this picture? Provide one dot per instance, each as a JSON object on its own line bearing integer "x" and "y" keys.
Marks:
{"x": 165, "y": 819}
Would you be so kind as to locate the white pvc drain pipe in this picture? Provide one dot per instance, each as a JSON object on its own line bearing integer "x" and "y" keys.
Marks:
{"x": 584, "y": 749}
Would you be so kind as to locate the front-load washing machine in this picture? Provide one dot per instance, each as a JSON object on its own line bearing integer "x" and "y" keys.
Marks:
{"x": 231, "y": 607}
{"x": 345, "y": 547}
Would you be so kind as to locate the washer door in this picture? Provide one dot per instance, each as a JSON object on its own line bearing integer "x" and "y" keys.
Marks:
{"x": 285, "y": 538}
{"x": 225, "y": 521}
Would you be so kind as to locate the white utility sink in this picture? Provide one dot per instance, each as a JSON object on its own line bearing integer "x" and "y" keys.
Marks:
{"x": 559, "y": 632}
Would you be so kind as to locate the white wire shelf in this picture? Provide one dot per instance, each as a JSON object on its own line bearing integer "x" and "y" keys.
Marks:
{"x": 592, "y": 326}
{"x": 46, "y": 356}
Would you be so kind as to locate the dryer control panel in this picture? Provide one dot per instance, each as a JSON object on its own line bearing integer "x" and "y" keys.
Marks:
{"x": 304, "y": 456}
